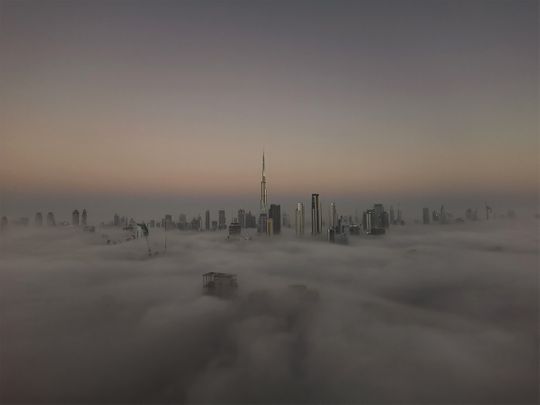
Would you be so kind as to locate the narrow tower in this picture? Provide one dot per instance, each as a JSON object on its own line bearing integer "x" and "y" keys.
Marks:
{"x": 264, "y": 194}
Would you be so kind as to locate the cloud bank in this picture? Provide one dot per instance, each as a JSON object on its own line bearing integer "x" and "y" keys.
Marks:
{"x": 429, "y": 314}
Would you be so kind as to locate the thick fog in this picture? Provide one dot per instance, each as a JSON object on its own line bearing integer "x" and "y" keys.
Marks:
{"x": 424, "y": 314}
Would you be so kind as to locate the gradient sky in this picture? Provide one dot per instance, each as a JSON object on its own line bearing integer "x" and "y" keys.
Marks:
{"x": 177, "y": 99}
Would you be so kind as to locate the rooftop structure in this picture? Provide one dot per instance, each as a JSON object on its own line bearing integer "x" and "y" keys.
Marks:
{"x": 221, "y": 284}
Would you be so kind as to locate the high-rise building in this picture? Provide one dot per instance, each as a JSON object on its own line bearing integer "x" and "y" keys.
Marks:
{"x": 425, "y": 216}
{"x": 84, "y": 217}
{"x": 392, "y": 215}
{"x": 264, "y": 193}
{"x": 242, "y": 218}
{"x": 207, "y": 220}
{"x": 332, "y": 217}
{"x": 375, "y": 221}
{"x": 50, "y": 219}
{"x": 443, "y": 218}
{"x": 38, "y": 220}
{"x": 275, "y": 215}
{"x": 251, "y": 220}
{"x": 315, "y": 214}
{"x": 299, "y": 219}
{"x": 222, "y": 222}
{"x": 270, "y": 227}
{"x": 116, "y": 220}
{"x": 75, "y": 218}
{"x": 263, "y": 223}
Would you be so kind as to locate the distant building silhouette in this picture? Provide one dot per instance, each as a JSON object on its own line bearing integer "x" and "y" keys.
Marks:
{"x": 50, "y": 219}
{"x": 263, "y": 222}
{"x": 375, "y": 221}
{"x": 251, "y": 220}
{"x": 299, "y": 216}
{"x": 264, "y": 194}
{"x": 84, "y": 217}
{"x": 3, "y": 223}
{"x": 38, "y": 219}
{"x": 242, "y": 218}
{"x": 207, "y": 220}
{"x": 116, "y": 220}
{"x": 332, "y": 216}
{"x": 315, "y": 214}
{"x": 75, "y": 218}
{"x": 275, "y": 215}
{"x": 392, "y": 215}
{"x": 222, "y": 221}
{"x": 270, "y": 227}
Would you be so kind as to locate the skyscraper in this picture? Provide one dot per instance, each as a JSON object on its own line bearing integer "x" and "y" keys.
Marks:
{"x": 75, "y": 218}
{"x": 332, "y": 218}
{"x": 392, "y": 215}
{"x": 38, "y": 220}
{"x": 270, "y": 227}
{"x": 116, "y": 220}
{"x": 222, "y": 223}
{"x": 299, "y": 219}
{"x": 84, "y": 217}
{"x": 251, "y": 220}
{"x": 315, "y": 214}
{"x": 263, "y": 208}
{"x": 275, "y": 215}
{"x": 375, "y": 221}
{"x": 242, "y": 218}
{"x": 264, "y": 193}
{"x": 207, "y": 220}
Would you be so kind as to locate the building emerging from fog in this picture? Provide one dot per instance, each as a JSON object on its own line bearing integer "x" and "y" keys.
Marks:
{"x": 220, "y": 284}
{"x": 222, "y": 221}
{"x": 207, "y": 220}
{"x": 50, "y": 219}
{"x": 274, "y": 214}
{"x": 84, "y": 217}
{"x": 299, "y": 219}
{"x": 315, "y": 214}
{"x": 263, "y": 202}
{"x": 375, "y": 221}
{"x": 38, "y": 219}
{"x": 242, "y": 218}
{"x": 75, "y": 218}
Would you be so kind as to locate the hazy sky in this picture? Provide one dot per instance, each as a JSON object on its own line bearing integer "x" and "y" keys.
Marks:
{"x": 178, "y": 98}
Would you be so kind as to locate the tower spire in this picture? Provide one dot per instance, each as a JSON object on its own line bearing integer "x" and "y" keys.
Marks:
{"x": 263, "y": 200}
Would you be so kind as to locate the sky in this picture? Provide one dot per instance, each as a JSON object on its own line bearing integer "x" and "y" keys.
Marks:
{"x": 171, "y": 103}
{"x": 424, "y": 315}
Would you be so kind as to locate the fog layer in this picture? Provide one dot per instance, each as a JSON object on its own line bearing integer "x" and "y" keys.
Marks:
{"x": 426, "y": 314}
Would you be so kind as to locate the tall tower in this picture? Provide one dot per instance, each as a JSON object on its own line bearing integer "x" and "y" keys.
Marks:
{"x": 75, "y": 218}
{"x": 333, "y": 216}
{"x": 264, "y": 193}
{"x": 299, "y": 219}
{"x": 315, "y": 214}
{"x": 84, "y": 217}
{"x": 207, "y": 220}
